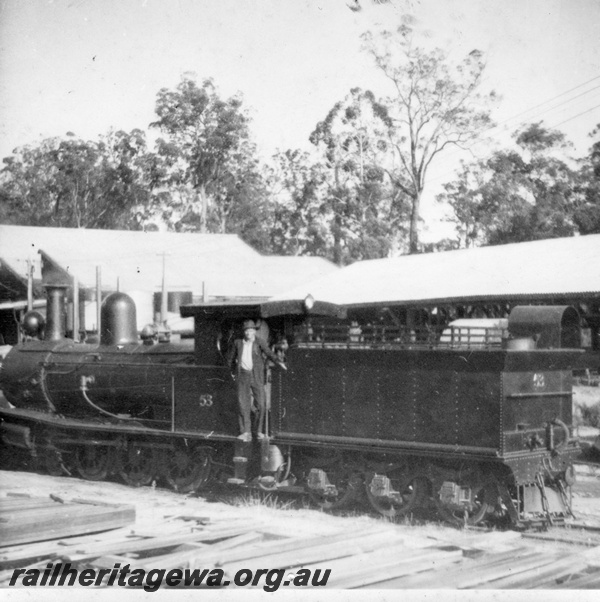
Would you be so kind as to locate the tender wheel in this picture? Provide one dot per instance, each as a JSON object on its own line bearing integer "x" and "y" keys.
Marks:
{"x": 92, "y": 462}
{"x": 137, "y": 465}
{"x": 347, "y": 488}
{"x": 406, "y": 495}
{"x": 187, "y": 468}
{"x": 465, "y": 516}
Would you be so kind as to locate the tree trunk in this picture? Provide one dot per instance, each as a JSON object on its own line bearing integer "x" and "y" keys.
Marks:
{"x": 337, "y": 241}
{"x": 203, "y": 208}
{"x": 413, "y": 236}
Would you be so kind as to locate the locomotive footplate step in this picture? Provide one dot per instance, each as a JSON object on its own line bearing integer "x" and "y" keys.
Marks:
{"x": 241, "y": 458}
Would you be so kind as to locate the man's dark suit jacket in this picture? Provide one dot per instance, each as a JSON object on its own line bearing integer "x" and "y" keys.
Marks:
{"x": 258, "y": 361}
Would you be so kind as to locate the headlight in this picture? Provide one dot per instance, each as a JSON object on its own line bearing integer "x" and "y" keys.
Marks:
{"x": 309, "y": 302}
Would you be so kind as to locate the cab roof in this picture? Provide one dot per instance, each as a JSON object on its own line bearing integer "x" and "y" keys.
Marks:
{"x": 268, "y": 309}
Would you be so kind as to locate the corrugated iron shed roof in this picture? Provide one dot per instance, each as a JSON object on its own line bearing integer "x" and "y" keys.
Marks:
{"x": 545, "y": 268}
{"x": 12, "y": 285}
{"x": 223, "y": 262}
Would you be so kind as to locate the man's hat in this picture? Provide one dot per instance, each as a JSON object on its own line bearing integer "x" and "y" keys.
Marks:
{"x": 249, "y": 324}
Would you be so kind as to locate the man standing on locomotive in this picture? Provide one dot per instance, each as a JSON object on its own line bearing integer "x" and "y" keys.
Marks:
{"x": 248, "y": 357}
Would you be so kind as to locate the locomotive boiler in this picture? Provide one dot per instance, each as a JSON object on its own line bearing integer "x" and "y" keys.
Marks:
{"x": 474, "y": 421}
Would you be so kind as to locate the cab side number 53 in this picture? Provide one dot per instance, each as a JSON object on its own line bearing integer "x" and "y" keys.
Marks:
{"x": 205, "y": 400}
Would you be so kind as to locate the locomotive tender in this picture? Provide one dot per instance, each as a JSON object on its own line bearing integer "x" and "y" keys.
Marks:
{"x": 476, "y": 421}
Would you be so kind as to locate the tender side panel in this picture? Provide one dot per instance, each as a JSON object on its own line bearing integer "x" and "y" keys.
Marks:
{"x": 478, "y": 400}
{"x": 421, "y": 397}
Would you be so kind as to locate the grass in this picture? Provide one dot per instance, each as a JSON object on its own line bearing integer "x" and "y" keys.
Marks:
{"x": 254, "y": 498}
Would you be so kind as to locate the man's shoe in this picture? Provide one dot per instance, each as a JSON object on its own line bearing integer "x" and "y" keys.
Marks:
{"x": 260, "y": 435}
{"x": 245, "y": 437}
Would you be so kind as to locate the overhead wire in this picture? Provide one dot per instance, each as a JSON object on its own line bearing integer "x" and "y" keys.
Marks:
{"x": 505, "y": 122}
{"x": 483, "y": 137}
{"x": 575, "y": 116}
{"x": 552, "y": 99}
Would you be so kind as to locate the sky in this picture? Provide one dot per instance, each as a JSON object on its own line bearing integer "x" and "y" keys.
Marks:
{"x": 86, "y": 66}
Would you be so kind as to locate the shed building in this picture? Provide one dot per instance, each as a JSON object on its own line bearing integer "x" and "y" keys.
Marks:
{"x": 433, "y": 289}
{"x": 200, "y": 266}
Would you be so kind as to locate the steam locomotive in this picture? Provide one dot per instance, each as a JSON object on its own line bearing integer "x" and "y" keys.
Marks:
{"x": 475, "y": 421}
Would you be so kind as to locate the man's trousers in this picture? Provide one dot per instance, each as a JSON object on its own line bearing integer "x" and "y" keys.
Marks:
{"x": 247, "y": 388}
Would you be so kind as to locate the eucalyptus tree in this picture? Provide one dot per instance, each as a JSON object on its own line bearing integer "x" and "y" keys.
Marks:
{"x": 206, "y": 140}
{"x": 71, "y": 182}
{"x": 296, "y": 185}
{"x": 434, "y": 105}
{"x": 362, "y": 207}
{"x": 587, "y": 211}
{"x": 524, "y": 193}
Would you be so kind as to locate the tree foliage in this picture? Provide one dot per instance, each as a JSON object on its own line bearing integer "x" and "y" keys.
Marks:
{"x": 339, "y": 202}
{"x": 435, "y": 105}
{"x": 71, "y": 182}
{"x": 206, "y": 155}
{"x": 296, "y": 186}
{"x": 361, "y": 207}
{"x": 356, "y": 196}
{"x": 516, "y": 195}
{"x": 587, "y": 210}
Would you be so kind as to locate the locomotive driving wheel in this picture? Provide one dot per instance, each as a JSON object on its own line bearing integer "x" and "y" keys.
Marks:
{"x": 92, "y": 461}
{"x": 187, "y": 468}
{"x": 405, "y": 494}
{"x": 137, "y": 465}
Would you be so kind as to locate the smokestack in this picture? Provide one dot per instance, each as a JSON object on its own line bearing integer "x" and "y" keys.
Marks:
{"x": 56, "y": 317}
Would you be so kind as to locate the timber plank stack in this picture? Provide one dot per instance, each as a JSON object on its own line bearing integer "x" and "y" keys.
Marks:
{"x": 87, "y": 534}
{"x": 26, "y": 519}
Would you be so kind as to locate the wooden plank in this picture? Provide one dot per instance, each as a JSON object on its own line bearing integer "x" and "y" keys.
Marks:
{"x": 381, "y": 565}
{"x": 203, "y": 520}
{"x": 492, "y": 540}
{"x": 59, "y": 511}
{"x": 389, "y": 570}
{"x": 579, "y": 581}
{"x": 319, "y": 553}
{"x": 8, "y": 504}
{"x": 544, "y": 574}
{"x": 65, "y": 520}
{"x": 424, "y": 569}
{"x": 234, "y": 542}
{"x": 548, "y": 573}
{"x": 192, "y": 545}
{"x": 280, "y": 547}
{"x": 53, "y": 548}
{"x": 152, "y": 543}
{"x": 5, "y": 576}
{"x": 580, "y": 538}
{"x": 173, "y": 561}
{"x": 452, "y": 577}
